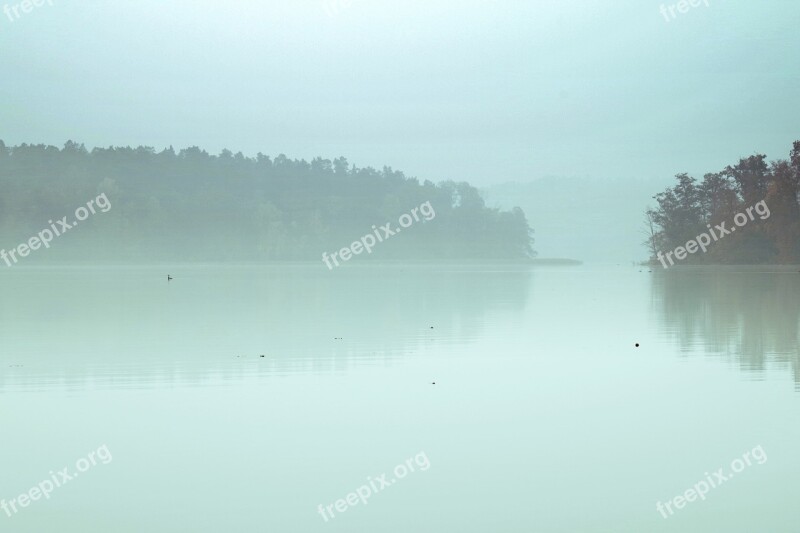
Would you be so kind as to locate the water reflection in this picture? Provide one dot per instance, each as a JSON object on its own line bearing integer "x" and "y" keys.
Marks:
{"x": 123, "y": 327}
{"x": 750, "y": 314}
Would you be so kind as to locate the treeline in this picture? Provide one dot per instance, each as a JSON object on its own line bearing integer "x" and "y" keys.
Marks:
{"x": 685, "y": 211}
{"x": 191, "y": 205}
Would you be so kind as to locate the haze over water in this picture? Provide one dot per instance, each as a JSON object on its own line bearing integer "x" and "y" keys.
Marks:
{"x": 545, "y": 416}
{"x": 440, "y": 266}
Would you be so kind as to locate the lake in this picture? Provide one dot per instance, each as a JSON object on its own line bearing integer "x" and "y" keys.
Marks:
{"x": 271, "y": 398}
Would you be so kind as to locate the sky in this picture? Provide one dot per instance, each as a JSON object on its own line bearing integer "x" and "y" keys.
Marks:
{"x": 487, "y": 91}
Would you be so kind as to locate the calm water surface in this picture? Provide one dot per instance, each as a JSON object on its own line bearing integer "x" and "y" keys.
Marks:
{"x": 545, "y": 416}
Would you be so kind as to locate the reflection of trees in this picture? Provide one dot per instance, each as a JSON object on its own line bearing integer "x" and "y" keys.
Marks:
{"x": 304, "y": 318}
{"x": 750, "y": 314}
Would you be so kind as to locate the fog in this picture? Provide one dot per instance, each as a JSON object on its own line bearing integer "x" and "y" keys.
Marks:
{"x": 487, "y": 91}
{"x": 439, "y": 266}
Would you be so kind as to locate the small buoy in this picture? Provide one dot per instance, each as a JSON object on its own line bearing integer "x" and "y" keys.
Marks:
{"x": 637, "y": 344}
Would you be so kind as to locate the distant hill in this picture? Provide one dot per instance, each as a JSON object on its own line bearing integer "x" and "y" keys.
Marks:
{"x": 582, "y": 218}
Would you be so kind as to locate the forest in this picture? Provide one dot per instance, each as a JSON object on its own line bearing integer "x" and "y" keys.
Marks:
{"x": 190, "y": 205}
{"x": 687, "y": 209}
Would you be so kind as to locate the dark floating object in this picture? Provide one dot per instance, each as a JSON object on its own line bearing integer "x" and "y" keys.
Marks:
{"x": 637, "y": 344}
{"x": 262, "y": 356}
{"x": 434, "y": 383}
{"x": 337, "y": 338}
{"x": 169, "y": 278}
{"x": 431, "y": 327}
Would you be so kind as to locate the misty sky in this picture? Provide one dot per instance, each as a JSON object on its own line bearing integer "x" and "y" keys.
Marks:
{"x": 482, "y": 90}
